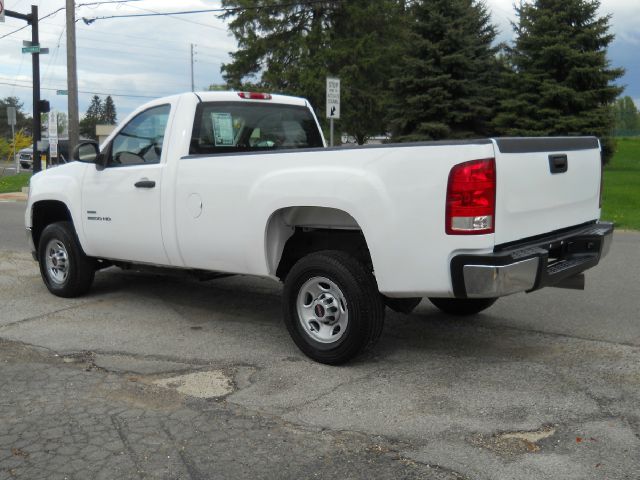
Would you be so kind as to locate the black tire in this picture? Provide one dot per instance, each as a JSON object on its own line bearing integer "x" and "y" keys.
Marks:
{"x": 69, "y": 273}
{"x": 463, "y": 306}
{"x": 354, "y": 290}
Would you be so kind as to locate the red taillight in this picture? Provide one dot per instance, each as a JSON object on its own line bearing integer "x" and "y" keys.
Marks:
{"x": 471, "y": 198}
{"x": 254, "y": 95}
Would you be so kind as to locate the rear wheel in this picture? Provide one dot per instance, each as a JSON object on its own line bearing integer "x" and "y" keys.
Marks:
{"x": 65, "y": 269}
{"x": 463, "y": 306}
{"x": 332, "y": 307}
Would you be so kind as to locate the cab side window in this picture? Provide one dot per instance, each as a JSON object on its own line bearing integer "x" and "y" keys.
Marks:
{"x": 140, "y": 141}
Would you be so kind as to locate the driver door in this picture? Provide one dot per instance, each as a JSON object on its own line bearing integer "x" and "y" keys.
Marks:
{"x": 121, "y": 203}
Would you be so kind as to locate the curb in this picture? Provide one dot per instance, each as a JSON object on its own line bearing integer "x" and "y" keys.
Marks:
{"x": 13, "y": 197}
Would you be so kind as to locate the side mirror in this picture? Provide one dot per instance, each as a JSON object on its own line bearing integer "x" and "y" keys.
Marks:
{"x": 87, "y": 152}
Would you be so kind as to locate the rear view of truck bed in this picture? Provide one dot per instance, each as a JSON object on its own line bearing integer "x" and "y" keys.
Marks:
{"x": 545, "y": 184}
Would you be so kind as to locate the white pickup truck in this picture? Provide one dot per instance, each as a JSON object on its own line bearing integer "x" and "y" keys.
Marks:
{"x": 236, "y": 182}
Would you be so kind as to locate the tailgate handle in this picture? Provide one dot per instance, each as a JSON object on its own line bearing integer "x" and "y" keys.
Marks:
{"x": 558, "y": 163}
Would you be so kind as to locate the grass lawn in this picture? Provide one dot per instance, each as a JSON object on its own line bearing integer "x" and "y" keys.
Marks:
{"x": 14, "y": 183}
{"x": 621, "y": 197}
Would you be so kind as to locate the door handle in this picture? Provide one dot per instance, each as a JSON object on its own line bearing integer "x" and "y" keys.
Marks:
{"x": 144, "y": 183}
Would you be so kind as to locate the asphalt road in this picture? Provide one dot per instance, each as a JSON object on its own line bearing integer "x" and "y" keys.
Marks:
{"x": 545, "y": 385}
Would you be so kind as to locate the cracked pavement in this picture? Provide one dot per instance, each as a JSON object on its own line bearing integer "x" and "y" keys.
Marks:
{"x": 545, "y": 385}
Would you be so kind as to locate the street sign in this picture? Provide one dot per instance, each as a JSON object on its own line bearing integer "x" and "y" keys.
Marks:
{"x": 333, "y": 98}
{"x": 1, "y": 10}
{"x": 11, "y": 116}
{"x": 62, "y": 92}
{"x": 35, "y": 49}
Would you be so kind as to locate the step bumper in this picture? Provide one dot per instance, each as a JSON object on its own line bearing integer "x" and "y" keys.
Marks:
{"x": 531, "y": 264}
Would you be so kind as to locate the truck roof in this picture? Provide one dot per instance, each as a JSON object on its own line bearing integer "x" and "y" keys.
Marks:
{"x": 233, "y": 97}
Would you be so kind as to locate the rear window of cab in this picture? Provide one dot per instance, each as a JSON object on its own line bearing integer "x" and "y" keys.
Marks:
{"x": 228, "y": 127}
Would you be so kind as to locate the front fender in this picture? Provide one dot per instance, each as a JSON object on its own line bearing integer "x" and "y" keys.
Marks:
{"x": 62, "y": 184}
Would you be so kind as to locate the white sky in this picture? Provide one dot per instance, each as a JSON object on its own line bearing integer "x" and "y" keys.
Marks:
{"x": 149, "y": 56}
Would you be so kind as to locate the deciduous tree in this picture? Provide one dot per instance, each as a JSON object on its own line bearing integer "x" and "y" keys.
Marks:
{"x": 23, "y": 121}
{"x": 627, "y": 118}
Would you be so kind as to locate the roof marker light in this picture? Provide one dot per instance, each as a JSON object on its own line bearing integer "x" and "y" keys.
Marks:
{"x": 254, "y": 96}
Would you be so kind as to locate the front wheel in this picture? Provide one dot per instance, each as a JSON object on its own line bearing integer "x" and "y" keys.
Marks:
{"x": 463, "y": 306}
{"x": 65, "y": 269}
{"x": 332, "y": 307}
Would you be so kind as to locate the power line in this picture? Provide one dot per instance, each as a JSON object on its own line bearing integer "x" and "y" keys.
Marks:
{"x": 63, "y": 8}
{"x": 179, "y": 18}
{"x": 89, "y": 92}
{"x": 89, "y": 21}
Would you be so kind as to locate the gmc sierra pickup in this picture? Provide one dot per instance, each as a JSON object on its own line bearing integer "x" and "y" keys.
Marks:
{"x": 242, "y": 183}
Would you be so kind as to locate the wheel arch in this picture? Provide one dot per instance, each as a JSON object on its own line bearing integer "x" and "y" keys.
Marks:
{"x": 294, "y": 231}
{"x": 46, "y": 212}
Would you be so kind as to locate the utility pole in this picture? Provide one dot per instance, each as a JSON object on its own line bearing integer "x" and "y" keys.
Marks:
{"x": 32, "y": 19}
{"x": 192, "y": 83}
{"x": 35, "y": 62}
{"x": 72, "y": 77}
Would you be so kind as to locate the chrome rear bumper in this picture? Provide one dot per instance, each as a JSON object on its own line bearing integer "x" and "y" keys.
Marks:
{"x": 531, "y": 264}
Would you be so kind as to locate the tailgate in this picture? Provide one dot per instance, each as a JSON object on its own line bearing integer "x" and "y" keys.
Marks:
{"x": 545, "y": 184}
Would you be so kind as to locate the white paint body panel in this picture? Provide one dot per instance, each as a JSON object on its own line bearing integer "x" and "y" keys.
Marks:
{"x": 213, "y": 212}
{"x": 530, "y": 200}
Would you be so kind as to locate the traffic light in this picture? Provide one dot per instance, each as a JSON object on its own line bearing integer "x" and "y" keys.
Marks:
{"x": 43, "y": 106}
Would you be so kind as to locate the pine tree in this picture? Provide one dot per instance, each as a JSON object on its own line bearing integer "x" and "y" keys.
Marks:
{"x": 445, "y": 85}
{"x": 292, "y": 48}
{"x": 109, "y": 116}
{"x": 96, "y": 108}
{"x": 560, "y": 82}
{"x": 94, "y": 114}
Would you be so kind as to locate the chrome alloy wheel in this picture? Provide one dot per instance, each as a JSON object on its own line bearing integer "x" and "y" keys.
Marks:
{"x": 57, "y": 261}
{"x": 322, "y": 310}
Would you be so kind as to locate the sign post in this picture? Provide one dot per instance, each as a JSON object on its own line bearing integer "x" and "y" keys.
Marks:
{"x": 333, "y": 104}
{"x": 53, "y": 135}
{"x": 11, "y": 120}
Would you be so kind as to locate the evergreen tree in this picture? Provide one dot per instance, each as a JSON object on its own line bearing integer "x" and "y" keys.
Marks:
{"x": 445, "y": 84}
{"x": 109, "y": 116}
{"x": 93, "y": 117}
{"x": 560, "y": 82}
{"x": 292, "y": 48}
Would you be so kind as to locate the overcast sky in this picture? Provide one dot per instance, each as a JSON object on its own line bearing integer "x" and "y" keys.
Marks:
{"x": 136, "y": 58}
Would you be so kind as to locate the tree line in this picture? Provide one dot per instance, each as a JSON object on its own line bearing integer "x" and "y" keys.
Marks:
{"x": 98, "y": 113}
{"x": 432, "y": 69}
{"x": 627, "y": 117}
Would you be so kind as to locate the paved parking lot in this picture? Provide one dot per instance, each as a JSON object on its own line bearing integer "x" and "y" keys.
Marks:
{"x": 545, "y": 385}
